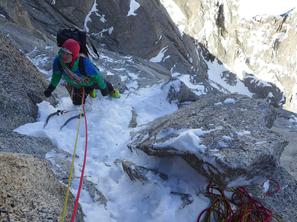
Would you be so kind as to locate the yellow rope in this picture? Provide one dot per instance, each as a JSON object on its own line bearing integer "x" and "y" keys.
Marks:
{"x": 63, "y": 214}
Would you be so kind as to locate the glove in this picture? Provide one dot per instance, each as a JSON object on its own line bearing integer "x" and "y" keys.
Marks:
{"x": 115, "y": 94}
{"x": 49, "y": 90}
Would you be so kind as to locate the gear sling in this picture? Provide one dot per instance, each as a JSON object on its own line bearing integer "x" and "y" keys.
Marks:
{"x": 76, "y": 94}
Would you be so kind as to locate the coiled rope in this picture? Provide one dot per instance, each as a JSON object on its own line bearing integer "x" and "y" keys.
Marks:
{"x": 241, "y": 207}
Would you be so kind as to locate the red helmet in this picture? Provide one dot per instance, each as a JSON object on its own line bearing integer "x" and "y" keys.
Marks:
{"x": 73, "y": 47}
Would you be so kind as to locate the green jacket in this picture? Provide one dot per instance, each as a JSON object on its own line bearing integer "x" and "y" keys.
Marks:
{"x": 90, "y": 77}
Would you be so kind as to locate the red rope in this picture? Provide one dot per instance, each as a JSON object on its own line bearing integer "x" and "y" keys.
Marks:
{"x": 84, "y": 162}
{"x": 241, "y": 207}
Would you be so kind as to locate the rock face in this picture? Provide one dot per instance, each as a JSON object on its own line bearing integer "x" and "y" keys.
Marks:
{"x": 14, "y": 11}
{"x": 109, "y": 23}
{"x": 212, "y": 23}
{"x": 273, "y": 57}
{"x": 46, "y": 16}
{"x": 215, "y": 24}
{"x": 29, "y": 190}
{"x": 22, "y": 87}
{"x": 270, "y": 56}
{"x": 222, "y": 137}
{"x": 146, "y": 33}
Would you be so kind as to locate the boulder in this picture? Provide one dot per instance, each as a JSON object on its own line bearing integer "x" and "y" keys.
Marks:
{"x": 179, "y": 93}
{"x": 224, "y": 137}
{"x": 30, "y": 191}
{"x": 16, "y": 143}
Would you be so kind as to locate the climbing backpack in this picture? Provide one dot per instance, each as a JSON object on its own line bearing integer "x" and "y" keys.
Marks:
{"x": 80, "y": 37}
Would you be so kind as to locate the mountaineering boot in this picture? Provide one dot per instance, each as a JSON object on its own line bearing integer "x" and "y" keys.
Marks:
{"x": 115, "y": 94}
{"x": 93, "y": 93}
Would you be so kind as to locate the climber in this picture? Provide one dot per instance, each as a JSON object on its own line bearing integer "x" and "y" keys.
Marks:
{"x": 81, "y": 75}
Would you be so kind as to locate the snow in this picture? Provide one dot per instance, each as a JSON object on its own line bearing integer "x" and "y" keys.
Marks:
{"x": 88, "y": 17}
{"x": 103, "y": 19}
{"x": 160, "y": 56}
{"x": 176, "y": 14}
{"x": 229, "y": 101}
{"x": 293, "y": 119}
{"x": 198, "y": 89}
{"x": 266, "y": 186}
{"x": 187, "y": 140}
{"x": 227, "y": 138}
{"x": 134, "y": 5}
{"x": 243, "y": 132}
{"x": 109, "y": 134}
{"x": 251, "y": 8}
{"x": 108, "y": 30}
{"x": 215, "y": 74}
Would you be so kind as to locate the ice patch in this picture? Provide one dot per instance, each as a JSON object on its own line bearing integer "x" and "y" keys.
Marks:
{"x": 88, "y": 17}
{"x": 229, "y": 101}
{"x": 198, "y": 89}
{"x": 244, "y": 132}
{"x": 158, "y": 58}
{"x": 134, "y": 5}
{"x": 266, "y": 186}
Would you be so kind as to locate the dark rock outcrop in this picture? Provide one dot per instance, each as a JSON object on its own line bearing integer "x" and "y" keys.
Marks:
{"x": 179, "y": 93}
{"x": 265, "y": 90}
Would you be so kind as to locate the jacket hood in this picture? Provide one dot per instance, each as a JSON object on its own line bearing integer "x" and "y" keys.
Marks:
{"x": 72, "y": 46}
